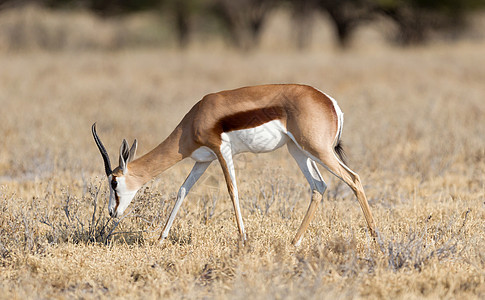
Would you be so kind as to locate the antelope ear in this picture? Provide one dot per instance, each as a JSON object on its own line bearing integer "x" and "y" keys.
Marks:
{"x": 124, "y": 155}
{"x": 133, "y": 148}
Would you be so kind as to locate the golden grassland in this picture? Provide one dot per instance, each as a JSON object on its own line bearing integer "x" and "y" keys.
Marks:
{"x": 414, "y": 131}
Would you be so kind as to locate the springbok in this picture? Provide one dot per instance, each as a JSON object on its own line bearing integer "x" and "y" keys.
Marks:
{"x": 250, "y": 119}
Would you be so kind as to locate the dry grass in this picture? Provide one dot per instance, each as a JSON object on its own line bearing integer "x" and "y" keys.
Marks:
{"x": 414, "y": 131}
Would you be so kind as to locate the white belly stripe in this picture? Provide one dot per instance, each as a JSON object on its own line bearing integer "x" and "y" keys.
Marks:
{"x": 264, "y": 138}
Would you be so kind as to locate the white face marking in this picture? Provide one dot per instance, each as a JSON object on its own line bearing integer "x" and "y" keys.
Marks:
{"x": 124, "y": 195}
{"x": 264, "y": 138}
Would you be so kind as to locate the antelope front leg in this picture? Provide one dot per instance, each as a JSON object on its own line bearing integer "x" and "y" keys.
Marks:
{"x": 197, "y": 171}
{"x": 227, "y": 164}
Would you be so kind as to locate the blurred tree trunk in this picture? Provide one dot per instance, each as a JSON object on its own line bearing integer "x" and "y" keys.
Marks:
{"x": 412, "y": 27}
{"x": 416, "y": 19}
{"x": 303, "y": 18}
{"x": 183, "y": 14}
{"x": 346, "y": 16}
{"x": 244, "y": 19}
{"x": 182, "y": 18}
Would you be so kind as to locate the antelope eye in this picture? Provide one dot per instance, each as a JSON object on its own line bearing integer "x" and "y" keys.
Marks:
{"x": 114, "y": 184}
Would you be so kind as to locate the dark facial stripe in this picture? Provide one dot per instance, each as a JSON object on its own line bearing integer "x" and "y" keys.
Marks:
{"x": 114, "y": 183}
{"x": 249, "y": 119}
{"x": 117, "y": 201}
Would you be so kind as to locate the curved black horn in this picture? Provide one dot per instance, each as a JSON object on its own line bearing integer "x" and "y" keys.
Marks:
{"x": 107, "y": 164}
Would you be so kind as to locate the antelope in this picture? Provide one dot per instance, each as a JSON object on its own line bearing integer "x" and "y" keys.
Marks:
{"x": 253, "y": 119}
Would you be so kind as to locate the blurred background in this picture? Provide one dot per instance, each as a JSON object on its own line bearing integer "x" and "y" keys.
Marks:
{"x": 240, "y": 24}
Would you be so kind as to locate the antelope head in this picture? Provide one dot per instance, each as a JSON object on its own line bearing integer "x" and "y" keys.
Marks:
{"x": 122, "y": 190}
